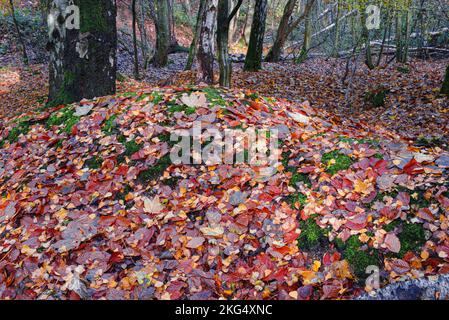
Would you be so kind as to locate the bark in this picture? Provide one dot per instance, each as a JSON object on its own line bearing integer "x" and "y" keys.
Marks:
{"x": 206, "y": 48}
{"x": 82, "y": 61}
{"x": 246, "y": 31}
{"x": 335, "y": 46}
{"x": 19, "y": 33}
{"x": 366, "y": 38}
{"x": 171, "y": 22}
{"x": 286, "y": 28}
{"x": 307, "y": 39}
{"x": 224, "y": 18}
{"x": 135, "y": 53}
{"x": 162, "y": 34}
{"x": 196, "y": 37}
{"x": 253, "y": 60}
{"x": 281, "y": 35}
{"x": 445, "y": 86}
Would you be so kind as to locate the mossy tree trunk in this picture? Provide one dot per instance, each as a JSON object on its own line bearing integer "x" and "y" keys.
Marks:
{"x": 253, "y": 60}
{"x": 196, "y": 37}
{"x": 82, "y": 57}
{"x": 445, "y": 86}
{"x": 335, "y": 45}
{"x": 162, "y": 33}
{"x": 224, "y": 18}
{"x": 206, "y": 48}
{"x": 366, "y": 38}
{"x": 307, "y": 41}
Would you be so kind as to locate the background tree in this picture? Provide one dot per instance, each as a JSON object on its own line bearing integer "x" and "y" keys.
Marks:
{"x": 162, "y": 33}
{"x": 196, "y": 36}
{"x": 82, "y": 61}
{"x": 224, "y": 19}
{"x": 253, "y": 60}
{"x": 206, "y": 45}
{"x": 136, "y": 55}
{"x": 12, "y": 12}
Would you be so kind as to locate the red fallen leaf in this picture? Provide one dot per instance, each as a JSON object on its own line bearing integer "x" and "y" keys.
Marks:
{"x": 392, "y": 243}
{"x": 413, "y": 167}
{"x": 290, "y": 236}
{"x": 330, "y": 291}
{"x": 399, "y": 266}
{"x": 278, "y": 275}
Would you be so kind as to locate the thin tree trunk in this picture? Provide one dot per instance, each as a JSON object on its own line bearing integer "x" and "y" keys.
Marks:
{"x": 445, "y": 85}
{"x": 281, "y": 35}
{"x": 224, "y": 18}
{"x": 335, "y": 46}
{"x": 136, "y": 56}
{"x": 206, "y": 47}
{"x": 366, "y": 38}
{"x": 162, "y": 34}
{"x": 196, "y": 37}
{"x": 19, "y": 33}
{"x": 399, "y": 43}
{"x": 253, "y": 60}
{"x": 307, "y": 39}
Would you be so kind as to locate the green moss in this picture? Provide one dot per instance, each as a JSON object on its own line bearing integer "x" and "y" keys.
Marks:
{"x": 64, "y": 95}
{"x": 172, "y": 108}
{"x": 66, "y": 117}
{"x": 379, "y": 156}
{"x": 157, "y": 97}
{"x": 213, "y": 96}
{"x": 403, "y": 69}
{"x": 377, "y": 97}
{"x": 93, "y": 16}
{"x": 392, "y": 225}
{"x": 342, "y": 162}
{"x": 22, "y": 128}
{"x": 252, "y": 96}
{"x": 94, "y": 163}
{"x": 297, "y": 198}
{"x": 412, "y": 238}
{"x": 311, "y": 234}
{"x": 109, "y": 125}
{"x": 359, "y": 259}
{"x": 156, "y": 171}
{"x": 300, "y": 177}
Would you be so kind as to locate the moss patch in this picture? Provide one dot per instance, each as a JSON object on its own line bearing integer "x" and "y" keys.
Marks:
{"x": 213, "y": 96}
{"x": 357, "y": 258}
{"x": 300, "y": 177}
{"x": 311, "y": 234}
{"x": 65, "y": 116}
{"x": 377, "y": 97}
{"x": 156, "y": 171}
{"x": 412, "y": 238}
{"x": 109, "y": 124}
{"x": 94, "y": 163}
{"x": 336, "y": 161}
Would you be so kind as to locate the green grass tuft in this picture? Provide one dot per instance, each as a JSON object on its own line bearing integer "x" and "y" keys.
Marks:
{"x": 342, "y": 162}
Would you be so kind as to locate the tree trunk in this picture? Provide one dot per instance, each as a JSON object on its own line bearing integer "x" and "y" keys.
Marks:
{"x": 281, "y": 36}
{"x": 307, "y": 37}
{"x": 366, "y": 38}
{"x": 135, "y": 53}
{"x": 82, "y": 61}
{"x": 19, "y": 33}
{"x": 224, "y": 18}
{"x": 171, "y": 22}
{"x": 234, "y": 24}
{"x": 399, "y": 42}
{"x": 196, "y": 37}
{"x": 335, "y": 46}
{"x": 246, "y": 31}
{"x": 445, "y": 86}
{"x": 253, "y": 60}
{"x": 206, "y": 47}
{"x": 162, "y": 34}
{"x": 222, "y": 43}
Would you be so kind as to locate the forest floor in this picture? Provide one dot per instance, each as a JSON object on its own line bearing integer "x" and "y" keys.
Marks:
{"x": 412, "y": 106}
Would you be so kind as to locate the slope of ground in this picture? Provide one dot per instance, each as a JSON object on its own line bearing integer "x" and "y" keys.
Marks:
{"x": 91, "y": 206}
